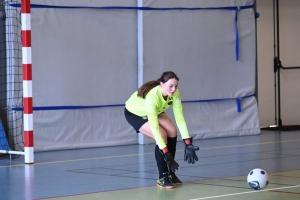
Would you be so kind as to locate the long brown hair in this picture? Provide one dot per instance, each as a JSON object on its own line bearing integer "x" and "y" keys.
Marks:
{"x": 146, "y": 87}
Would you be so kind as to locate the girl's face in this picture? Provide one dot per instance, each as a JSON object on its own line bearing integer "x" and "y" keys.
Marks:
{"x": 169, "y": 87}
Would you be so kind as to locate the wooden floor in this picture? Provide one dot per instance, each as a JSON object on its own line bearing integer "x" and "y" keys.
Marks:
{"x": 129, "y": 172}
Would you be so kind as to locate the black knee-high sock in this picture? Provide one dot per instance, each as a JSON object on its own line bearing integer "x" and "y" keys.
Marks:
{"x": 161, "y": 163}
{"x": 172, "y": 142}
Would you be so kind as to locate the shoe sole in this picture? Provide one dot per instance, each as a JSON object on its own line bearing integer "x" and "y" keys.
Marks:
{"x": 167, "y": 187}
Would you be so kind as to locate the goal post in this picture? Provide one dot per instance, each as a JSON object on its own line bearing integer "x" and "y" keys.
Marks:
{"x": 27, "y": 82}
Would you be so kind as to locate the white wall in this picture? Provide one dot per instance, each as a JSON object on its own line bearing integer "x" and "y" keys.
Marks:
{"x": 289, "y": 55}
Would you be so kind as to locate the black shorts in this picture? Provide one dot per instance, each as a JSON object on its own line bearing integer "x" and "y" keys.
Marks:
{"x": 135, "y": 121}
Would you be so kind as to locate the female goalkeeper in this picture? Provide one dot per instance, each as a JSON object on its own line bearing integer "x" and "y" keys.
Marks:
{"x": 144, "y": 111}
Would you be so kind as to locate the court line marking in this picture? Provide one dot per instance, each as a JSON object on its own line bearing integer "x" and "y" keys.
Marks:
{"x": 82, "y": 159}
{"x": 239, "y": 145}
{"x": 255, "y": 191}
{"x": 118, "y": 156}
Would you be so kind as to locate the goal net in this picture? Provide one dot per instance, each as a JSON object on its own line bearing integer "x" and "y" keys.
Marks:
{"x": 11, "y": 87}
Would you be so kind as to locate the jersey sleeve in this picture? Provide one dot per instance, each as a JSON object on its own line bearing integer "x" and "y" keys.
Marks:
{"x": 152, "y": 104}
{"x": 179, "y": 118}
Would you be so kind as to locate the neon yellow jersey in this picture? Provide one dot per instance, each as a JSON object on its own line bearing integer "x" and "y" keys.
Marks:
{"x": 153, "y": 105}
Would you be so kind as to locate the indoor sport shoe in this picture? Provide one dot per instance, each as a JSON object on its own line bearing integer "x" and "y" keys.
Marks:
{"x": 165, "y": 182}
{"x": 174, "y": 179}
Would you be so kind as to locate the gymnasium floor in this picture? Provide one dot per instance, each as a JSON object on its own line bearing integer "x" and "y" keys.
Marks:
{"x": 129, "y": 172}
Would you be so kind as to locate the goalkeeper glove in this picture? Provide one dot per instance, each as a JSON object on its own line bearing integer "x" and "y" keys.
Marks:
{"x": 171, "y": 163}
{"x": 189, "y": 151}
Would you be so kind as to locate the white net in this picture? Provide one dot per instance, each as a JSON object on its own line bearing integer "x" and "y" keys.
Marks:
{"x": 11, "y": 78}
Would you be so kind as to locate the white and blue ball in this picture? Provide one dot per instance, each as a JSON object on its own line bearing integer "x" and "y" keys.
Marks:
{"x": 258, "y": 179}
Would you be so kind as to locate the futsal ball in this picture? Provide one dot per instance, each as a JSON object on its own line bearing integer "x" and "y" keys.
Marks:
{"x": 258, "y": 179}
